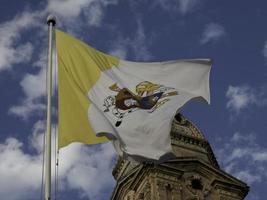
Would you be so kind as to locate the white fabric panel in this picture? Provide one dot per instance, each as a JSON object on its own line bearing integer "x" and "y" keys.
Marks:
{"x": 146, "y": 132}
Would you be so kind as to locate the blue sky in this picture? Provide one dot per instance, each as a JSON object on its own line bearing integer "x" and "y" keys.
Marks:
{"x": 232, "y": 33}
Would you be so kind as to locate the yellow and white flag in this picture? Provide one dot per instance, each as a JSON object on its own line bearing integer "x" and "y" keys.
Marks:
{"x": 132, "y": 103}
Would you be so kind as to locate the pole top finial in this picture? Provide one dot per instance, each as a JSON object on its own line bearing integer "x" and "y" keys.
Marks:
{"x": 51, "y": 19}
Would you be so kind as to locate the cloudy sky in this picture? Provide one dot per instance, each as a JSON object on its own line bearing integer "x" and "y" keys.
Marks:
{"x": 232, "y": 33}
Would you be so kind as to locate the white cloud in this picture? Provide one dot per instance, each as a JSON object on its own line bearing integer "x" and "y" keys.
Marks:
{"x": 212, "y": 32}
{"x": 95, "y": 14}
{"x": 244, "y": 158}
{"x": 86, "y": 169}
{"x": 19, "y": 171}
{"x": 183, "y": 6}
{"x": 261, "y": 156}
{"x": 10, "y": 51}
{"x": 239, "y": 137}
{"x": 188, "y": 5}
{"x": 67, "y": 9}
{"x": 13, "y": 50}
{"x": 241, "y": 97}
{"x": 26, "y": 108}
{"x": 119, "y": 51}
{"x": 34, "y": 87}
{"x": 248, "y": 176}
{"x": 168, "y": 4}
{"x": 70, "y": 10}
{"x": 138, "y": 45}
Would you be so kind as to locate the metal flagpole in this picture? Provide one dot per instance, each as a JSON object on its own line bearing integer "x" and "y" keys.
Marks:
{"x": 51, "y": 21}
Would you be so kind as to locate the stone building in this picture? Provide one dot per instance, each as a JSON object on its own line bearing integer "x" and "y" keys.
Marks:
{"x": 193, "y": 174}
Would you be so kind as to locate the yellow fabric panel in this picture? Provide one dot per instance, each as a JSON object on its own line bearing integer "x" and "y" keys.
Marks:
{"x": 79, "y": 68}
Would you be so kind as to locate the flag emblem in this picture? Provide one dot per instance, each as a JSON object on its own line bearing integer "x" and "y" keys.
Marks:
{"x": 148, "y": 96}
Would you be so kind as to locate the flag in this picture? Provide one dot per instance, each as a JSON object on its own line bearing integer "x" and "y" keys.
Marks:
{"x": 104, "y": 98}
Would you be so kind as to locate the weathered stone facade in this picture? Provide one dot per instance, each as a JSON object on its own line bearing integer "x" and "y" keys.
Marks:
{"x": 193, "y": 175}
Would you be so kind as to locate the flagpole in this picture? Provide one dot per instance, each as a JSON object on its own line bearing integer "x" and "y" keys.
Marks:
{"x": 51, "y": 22}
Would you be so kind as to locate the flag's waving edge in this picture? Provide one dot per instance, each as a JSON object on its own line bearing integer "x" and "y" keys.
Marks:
{"x": 79, "y": 67}
{"x": 130, "y": 102}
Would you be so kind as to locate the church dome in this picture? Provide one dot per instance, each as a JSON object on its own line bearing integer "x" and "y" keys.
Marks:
{"x": 188, "y": 141}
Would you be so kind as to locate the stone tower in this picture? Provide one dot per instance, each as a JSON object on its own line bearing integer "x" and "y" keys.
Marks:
{"x": 193, "y": 175}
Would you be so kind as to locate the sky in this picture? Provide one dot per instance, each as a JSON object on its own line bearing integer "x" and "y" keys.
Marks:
{"x": 232, "y": 33}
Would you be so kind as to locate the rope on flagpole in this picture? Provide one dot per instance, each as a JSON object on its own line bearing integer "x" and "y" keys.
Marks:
{"x": 43, "y": 160}
{"x": 56, "y": 162}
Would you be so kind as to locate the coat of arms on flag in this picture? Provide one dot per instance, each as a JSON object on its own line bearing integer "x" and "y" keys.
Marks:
{"x": 149, "y": 96}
